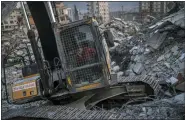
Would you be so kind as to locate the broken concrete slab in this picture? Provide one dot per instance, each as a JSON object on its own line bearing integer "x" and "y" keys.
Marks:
{"x": 116, "y": 68}
{"x": 134, "y": 48}
{"x": 167, "y": 93}
{"x": 181, "y": 58}
{"x": 146, "y": 51}
{"x": 113, "y": 63}
{"x": 167, "y": 55}
{"x": 167, "y": 64}
{"x": 161, "y": 58}
{"x": 181, "y": 86}
{"x": 120, "y": 73}
{"x": 172, "y": 80}
{"x": 157, "y": 39}
{"x": 138, "y": 68}
{"x": 181, "y": 33}
{"x": 178, "y": 99}
{"x": 175, "y": 50}
{"x": 128, "y": 72}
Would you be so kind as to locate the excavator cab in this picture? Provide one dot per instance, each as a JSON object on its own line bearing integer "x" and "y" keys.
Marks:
{"x": 85, "y": 54}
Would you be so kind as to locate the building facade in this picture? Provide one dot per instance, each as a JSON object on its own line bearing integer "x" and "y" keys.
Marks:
{"x": 127, "y": 16}
{"x": 155, "y": 8}
{"x": 81, "y": 15}
{"x": 150, "y": 8}
{"x": 98, "y": 9}
{"x": 12, "y": 21}
{"x": 65, "y": 15}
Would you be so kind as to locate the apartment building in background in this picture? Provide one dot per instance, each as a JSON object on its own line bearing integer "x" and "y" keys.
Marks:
{"x": 155, "y": 8}
{"x": 65, "y": 14}
{"x": 127, "y": 16}
{"x": 12, "y": 21}
{"x": 98, "y": 9}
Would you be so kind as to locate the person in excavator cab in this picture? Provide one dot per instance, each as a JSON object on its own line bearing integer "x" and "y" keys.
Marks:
{"x": 85, "y": 54}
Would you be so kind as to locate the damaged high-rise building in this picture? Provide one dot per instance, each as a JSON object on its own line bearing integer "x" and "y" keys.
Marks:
{"x": 157, "y": 9}
{"x": 98, "y": 9}
{"x": 12, "y": 21}
{"x": 65, "y": 14}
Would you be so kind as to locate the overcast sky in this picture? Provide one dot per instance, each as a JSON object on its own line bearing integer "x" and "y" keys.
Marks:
{"x": 113, "y": 6}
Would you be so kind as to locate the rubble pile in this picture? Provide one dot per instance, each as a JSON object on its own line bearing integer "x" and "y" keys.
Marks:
{"x": 122, "y": 28}
{"x": 172, "y": 108}
{"x": 159, "y": 52}
{"x": 13, "y": 73}
{"x": 6, "y": 106}
{"x": 122, "y": 32}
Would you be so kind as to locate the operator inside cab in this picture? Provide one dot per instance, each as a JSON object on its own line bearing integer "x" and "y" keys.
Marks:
{"x": 85, "y": 54}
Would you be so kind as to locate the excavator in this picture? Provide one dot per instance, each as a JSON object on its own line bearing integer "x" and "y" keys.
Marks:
{"x": 73, "y": 69}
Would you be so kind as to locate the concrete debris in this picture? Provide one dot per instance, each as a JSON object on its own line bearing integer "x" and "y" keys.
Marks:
{"x": 181, "y": 87}
{"x": 116, "y": 68}
{"x": 160, "y": 58}
{"x": 157, "y": 52}
{"x": 120, "y": 73}
{"x": 167, "y": 93}
{"x": 138, "y": 68}
{"x": 157, "y": 39}
{"x": 6, "y": 106}
{"x": 113, "y": 63}
{"x": 182, "y": 57}
{"x": 172, "y": 108}
{"x": 176, "y": 18}
{"x": 172, "y": 80}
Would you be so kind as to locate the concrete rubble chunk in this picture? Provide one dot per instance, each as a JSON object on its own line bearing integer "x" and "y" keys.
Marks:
{"x": 181, "y": 33}
{"x": 181, "y": 65}
{"x": 175, "y": 50}
{"x": 160, "y": 58}
{"x": 172, "y": 80}
{"x": 167, "y": 55}
{"x": 149, "y": 112}
{"x": 128, "y": 72}
{"x": 138, "y": 68}
{"x": 113, "y": 63}
{"x": 116, "y": 68}
{"x": 146, "y": 51}
{"x": 167, "y": 65}
{"x": 181, "y": 86}
{"x": 120, "y": 73}
{"x": 182, "y": 57}
{"x": 178, "y": 99}
{"x": 167, "y": 93}
{"x": 157, "y": 39}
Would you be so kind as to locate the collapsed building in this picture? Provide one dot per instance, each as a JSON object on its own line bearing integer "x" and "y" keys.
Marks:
{"x": 158, "y": 51}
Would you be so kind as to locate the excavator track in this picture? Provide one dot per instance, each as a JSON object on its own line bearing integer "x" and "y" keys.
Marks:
{"x": 150, "y": 80}
{"x": 60, "y": 112}
{"x": 63, "y": 112}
